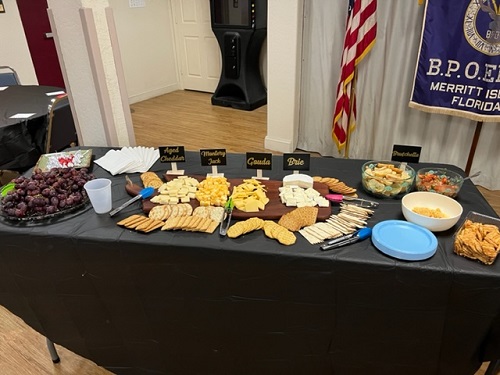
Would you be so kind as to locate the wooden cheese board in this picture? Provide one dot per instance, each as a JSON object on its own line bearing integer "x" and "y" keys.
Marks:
{"x": 274, "y": 209}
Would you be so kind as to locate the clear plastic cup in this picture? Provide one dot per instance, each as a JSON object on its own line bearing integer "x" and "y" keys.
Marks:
{"x": 99, "y": 192}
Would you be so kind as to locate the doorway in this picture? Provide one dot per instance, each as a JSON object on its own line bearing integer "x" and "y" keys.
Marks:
{"x": 198, "y": 52}
{"x": 41, "y": 44}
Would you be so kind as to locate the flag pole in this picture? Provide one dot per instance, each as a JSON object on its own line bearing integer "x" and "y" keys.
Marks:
{"x": 475, "y": 140}
{"x": 351, "y": 108}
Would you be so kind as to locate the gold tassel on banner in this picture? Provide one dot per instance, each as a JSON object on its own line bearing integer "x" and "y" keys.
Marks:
{"x": 420, "y": 2}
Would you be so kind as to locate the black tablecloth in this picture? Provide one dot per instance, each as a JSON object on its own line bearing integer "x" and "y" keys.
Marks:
{"x": 192, "y": 303}
{"x": 22, "y": 141}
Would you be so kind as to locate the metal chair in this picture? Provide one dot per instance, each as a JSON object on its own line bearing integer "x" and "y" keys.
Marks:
{"x": 61, "y": 131}
{"x": 8, "y": 76}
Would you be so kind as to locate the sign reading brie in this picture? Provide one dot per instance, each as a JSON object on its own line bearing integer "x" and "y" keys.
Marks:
{"x": 409, "y": 154}
{"x": 259, "y": 160}
{"x": 172, "y": 154}
{"x": 213, "y": 157}
{"x": 296, "y": 162}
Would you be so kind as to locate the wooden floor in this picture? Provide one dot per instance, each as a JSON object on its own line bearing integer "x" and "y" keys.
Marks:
{"x": 180, "y": 118}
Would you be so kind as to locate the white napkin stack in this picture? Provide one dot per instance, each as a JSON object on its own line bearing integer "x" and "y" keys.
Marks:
{"x": 129, "y": 160}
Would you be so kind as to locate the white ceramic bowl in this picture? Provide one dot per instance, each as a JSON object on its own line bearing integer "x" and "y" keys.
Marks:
{"x": 449, "y": 206}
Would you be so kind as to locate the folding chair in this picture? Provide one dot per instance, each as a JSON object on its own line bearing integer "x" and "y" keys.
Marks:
{"x": 61, "y": 131}
{"x": 8, "y": 76}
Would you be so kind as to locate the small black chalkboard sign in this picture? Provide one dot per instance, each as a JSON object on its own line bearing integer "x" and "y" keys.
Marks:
{"x": 259, "y": 160}
{"x": 296, "y": 162}
{"x": 172, "y": 154}
{"x": 409, "y": 154}
{"x": 213, "y": 157}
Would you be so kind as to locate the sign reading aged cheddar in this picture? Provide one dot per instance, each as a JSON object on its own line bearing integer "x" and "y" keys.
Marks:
{"x": 213, "y": 157}
{"x": 409, "y": 154}
{"x": 296, "y": 162}
{"x": 172, "y": 154}
{"x": 259, "y": 160}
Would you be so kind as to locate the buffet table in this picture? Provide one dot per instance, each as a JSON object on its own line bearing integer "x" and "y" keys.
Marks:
{"x": 22, "y": 140}
{"x": 194, "y": 303}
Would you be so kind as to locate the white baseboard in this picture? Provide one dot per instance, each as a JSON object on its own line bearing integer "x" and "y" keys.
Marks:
{"x": 279, "y": 144}
{"x": 151, "y": 94}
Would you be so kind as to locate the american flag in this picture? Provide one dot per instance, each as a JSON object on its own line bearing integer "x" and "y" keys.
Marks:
{"x": 361, "y": 30}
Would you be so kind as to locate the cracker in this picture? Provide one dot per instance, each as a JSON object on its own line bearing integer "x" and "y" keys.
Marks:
{"x": 195, "y": 220}
{"x": 211, "y": 228}
{"x": 144, "y": 224}
{"x": 268, "y": 228}
{"x": 216, "y": 213}
{"x": 157, "y": 224}
{"x": 286, "y": 237}
{"x": 204, "y": 224}
{"x": 170, "y": 223}
{"x": 174, "y": 210}
{"x": 202, "y": 211}
{"x": 189, "y": 209}
{"x": 134, "y": 224}
{"x": 290, "y": 222}
{"x": 235, "y": 230}
{"x": 128, "y": 220}
{"x": 180, "y": 222}
{"x": 157, "y": 213}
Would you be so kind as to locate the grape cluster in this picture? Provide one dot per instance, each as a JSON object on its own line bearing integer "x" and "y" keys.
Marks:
{"x": 46, "y": 193}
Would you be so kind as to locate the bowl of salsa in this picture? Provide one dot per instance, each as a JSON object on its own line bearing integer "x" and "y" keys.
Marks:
{"x": 439, "y": 180}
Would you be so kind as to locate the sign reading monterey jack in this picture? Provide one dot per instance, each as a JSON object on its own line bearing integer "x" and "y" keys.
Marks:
{"x": 458, "y": 68}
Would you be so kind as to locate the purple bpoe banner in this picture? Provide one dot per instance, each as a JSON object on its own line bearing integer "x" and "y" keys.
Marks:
{"x": 458, "y": 66}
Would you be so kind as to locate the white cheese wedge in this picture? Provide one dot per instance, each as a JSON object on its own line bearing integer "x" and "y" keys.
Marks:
{"x": 300, "y": 180}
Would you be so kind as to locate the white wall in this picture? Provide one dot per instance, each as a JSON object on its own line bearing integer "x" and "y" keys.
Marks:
{"x": 14, "y": 50}
{"x": 146, "y": 41}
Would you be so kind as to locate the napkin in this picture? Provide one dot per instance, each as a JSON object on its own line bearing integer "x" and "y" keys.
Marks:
{"x": 129, "y": 160}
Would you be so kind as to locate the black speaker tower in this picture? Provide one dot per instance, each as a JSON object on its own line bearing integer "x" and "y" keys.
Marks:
{"x": 240, "y": 27}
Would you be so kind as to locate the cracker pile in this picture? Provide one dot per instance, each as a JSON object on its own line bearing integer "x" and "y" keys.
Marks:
{"x": 243, "y": 227}
{"x": 141, "y": 223}
{"x": 271, "y": 229}
{"x": 151, "y": 179}
{"x": 348, "y": 220}
{"x": 164, "y": 211}
{"x": 214, "y": 213}
{"x": 335, "y": 185}
{"x": 299, "y": 218}
{"x": 478, "y": 241}
{"x": 191, "y": 224}
{"x": 279, "y": 232}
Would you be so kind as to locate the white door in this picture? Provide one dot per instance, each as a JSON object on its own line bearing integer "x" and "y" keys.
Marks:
{"x": 198, "y": 52}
